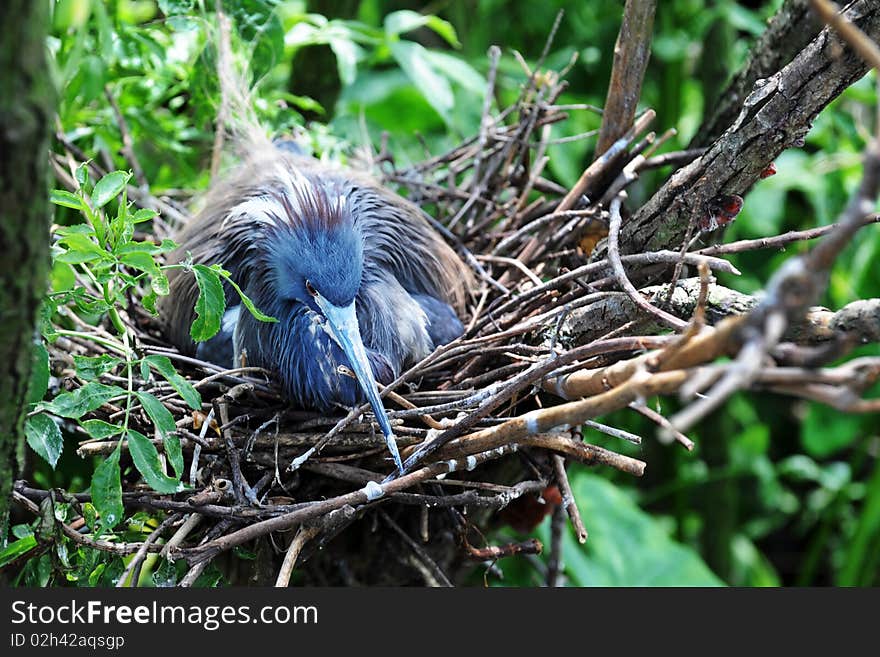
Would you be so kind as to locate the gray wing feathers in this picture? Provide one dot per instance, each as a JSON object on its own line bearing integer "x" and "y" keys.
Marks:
{"x": 397, "y": 237}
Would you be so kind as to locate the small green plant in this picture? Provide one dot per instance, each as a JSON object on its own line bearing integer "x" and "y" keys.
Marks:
{"x": 98, "y": 266}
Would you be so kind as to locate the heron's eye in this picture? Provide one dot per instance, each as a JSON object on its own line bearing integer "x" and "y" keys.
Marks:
{"x": 311, "y": 289}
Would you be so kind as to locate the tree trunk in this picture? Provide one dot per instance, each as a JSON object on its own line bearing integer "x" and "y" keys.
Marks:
{"x": 26, "y": 102}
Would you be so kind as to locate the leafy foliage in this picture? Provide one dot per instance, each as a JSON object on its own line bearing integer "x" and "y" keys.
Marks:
{"x": 775, "y": 492}
{"x": 615, "y": 554}
{"x": 103, "y": 251}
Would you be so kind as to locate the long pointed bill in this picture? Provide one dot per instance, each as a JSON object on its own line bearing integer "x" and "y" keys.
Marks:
{"x": 344, "y": 329}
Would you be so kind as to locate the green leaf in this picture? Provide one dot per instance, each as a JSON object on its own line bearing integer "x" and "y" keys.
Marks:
{"x": 149, "y": 302}
{"x": 106, "y": 490}
{"x": 825, "y": 431}
{"x": 75, "y": 229}
{"x": 209, "y": 306}
{"x": 100, "y": 430}
{"x": 143, "y": 261}
{"x": 21, "y": 531}
{"x": 90, "y": 515}
{"x": 626, "y": 546}
{"x": 459, "y": 71}
{"x": 174, "y": 452}
{"x": 16, "y": 549}
{"x": 82, "y": 174}
{"x": 859, "y": 562}
{"x": 146, "y": 460}
{"x": 140, "y": 260}
{"x": 63, "y": 277}
{"x": 80, "y": 248}
{"x": 144, "y": 214}
{"x": 109, "y": 187}
{"x": 160, "y": 416}
{"x": 123, "y": 224}
{"x": 165, "y": 575}
{"x": 163, "y": 365}
{"x": 749, "y": 566}
{"x": 159, "y": 284}
{"x": 444, "y": 29}
{"x": 247, "y": 301}
{"x": 82, "y": 400}
{"x": 44, "y": 437}
{"x": 95, "y": 575}
{"x": 164, "y": 422}
{"x": 39, "y": 381}
{"x": 400, "y": 22}
{"x": 347, "y": 54}
{"x": 91, "y": 306}
{"x": 414, "y": 61}
{"x": 268, "y": 47}
{"x": 175, "y": 7}
{"x": 90, "y": 368}
{"x": 146, "y": 247}
{"x": 42, "y": 573}
{"x": 66, "y": 199}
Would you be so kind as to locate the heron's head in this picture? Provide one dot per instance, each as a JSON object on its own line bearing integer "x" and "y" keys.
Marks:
{"x": 314, "y": 264}
{"x": 317, "y": 260}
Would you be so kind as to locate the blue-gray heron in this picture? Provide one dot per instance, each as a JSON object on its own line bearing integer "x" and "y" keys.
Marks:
{"x": 355, "y": 275}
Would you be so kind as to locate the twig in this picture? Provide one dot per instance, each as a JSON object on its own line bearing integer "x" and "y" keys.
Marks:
{"x": 553, "y": 576}
{"x": 830, "y": 13}
{"x": 614, "y": 431}
{"x": 793, "y": 288}
{"x": 121, "y": 549}
{"x": 192, "y": 521}
{"x": 568, "y": 501}
{"x": 127, "y": 143}
{"x": 668, "y": 427}
{"x": 496, "y": 552}
{"x": 599, "y": 166}
{"x": 368, "y": 493}
{"x": 438, "y": 577}
{"x": 776, "y": 241}
{"x": 303, "y": 536}
{"x": 620, "y": 272}
{"x": 133, "y": 569}
{"x": 792, "y": 97}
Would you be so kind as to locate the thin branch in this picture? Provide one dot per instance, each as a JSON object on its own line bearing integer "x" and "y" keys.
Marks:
{"x": 631, "y": 53}
{"x": 620, "y": 272}
{"x": 568, "y": 501}
{"x": 303, "y": 536}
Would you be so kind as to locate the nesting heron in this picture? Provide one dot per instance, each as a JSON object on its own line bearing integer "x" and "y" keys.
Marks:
{"x": 354, "y": 274}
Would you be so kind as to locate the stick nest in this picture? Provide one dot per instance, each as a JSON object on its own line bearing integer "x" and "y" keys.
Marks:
{"x": 565, "y": 326}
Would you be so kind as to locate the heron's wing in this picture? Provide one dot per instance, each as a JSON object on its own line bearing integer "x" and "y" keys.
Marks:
{"x": 210, "y": 237}
{"x": 443, "y": 325}
{"x": 397, "y": 237}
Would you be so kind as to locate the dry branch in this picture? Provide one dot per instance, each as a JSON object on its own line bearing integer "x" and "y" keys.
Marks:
{"x": 631, "y": 53}
{"x": 776, "y": 115}
{"x": 787, "y": 33}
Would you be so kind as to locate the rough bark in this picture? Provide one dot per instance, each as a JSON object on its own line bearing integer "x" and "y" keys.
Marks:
{"x": 776, "y": 115}
{"x": 26, "y": 99}
{"x": 631, "y": 53}
{"x": 788, "y": 32}
{"x": 860, "y": 319}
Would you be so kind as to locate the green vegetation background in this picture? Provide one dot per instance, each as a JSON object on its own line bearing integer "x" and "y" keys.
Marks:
{"x": 776, "y": 491}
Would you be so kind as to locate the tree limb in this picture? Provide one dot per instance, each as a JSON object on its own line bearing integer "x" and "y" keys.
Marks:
{"x": 775, "y": 116}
